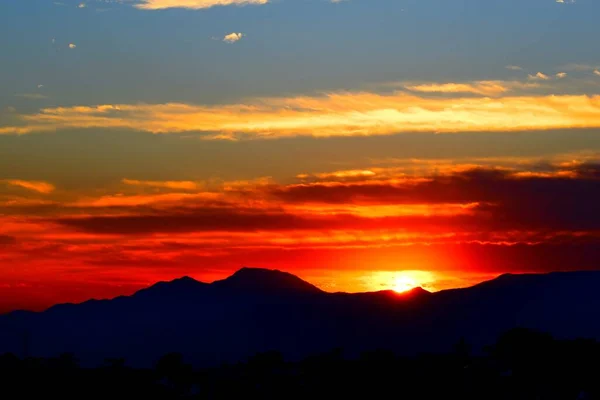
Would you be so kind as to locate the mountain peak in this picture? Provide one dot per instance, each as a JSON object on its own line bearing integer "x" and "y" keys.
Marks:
{"x": 417, "y": 291}
{"x": 266, "y": 280}
{"x": 185, "y": 280}
{"x": 179, "y": 285}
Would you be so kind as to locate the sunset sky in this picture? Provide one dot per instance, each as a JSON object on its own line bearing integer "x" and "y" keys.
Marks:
{"x": 345, "y": 141}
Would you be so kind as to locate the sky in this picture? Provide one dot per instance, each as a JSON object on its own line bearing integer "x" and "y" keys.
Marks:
{"x": 359, "y": 144}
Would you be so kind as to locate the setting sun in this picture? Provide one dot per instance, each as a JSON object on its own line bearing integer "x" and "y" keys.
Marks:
{"x": 404, "y": 283}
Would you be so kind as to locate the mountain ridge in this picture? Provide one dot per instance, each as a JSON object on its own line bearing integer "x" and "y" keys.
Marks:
{"x": 239, "y": 281}
{"x": 258, "y": 310}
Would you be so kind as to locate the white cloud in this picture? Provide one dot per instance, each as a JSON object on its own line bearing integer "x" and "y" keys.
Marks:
{"x": 233, "y": 37}
{"x": 514, "y": 67}
{"x": 539, "y": 76}
{"x": 561, "y": 75}
{"x": 597, "y": 72}
{"x": 72, "y": 45}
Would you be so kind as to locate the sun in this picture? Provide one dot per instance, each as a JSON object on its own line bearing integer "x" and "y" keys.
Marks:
{"x": 404, "y": 283}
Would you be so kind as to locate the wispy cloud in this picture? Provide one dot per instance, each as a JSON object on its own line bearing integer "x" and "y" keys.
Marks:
{"x": 36, "y": 186}
{"x": 331, "y": 114}
{"x": 577, "y": 67}
{"x": 177, "y": 185}
{"x": 484, "y": 88}
{"x": 193, "y": 4}
{"x": 487, "y": 214}
{"x": 32, "y": 96}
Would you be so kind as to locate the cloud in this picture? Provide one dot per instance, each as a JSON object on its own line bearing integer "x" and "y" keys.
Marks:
{"x": 345, "y": 174}
{"x": 36, "y": 186}
{"x": 577, "y": 67}
{"x": 539, "y": 76}
{"x": 72, "y": 45}
{"x": 329, "y": 115}
{"x": 561, "y": 75}
{"x": 194, "y": 4}
{"x": 6, "y": 240}
{"x": 508, "y": 215}
{"x": 597, "y": 72}
{"x": 233, "y": 37}
{"x": 457, "y": 185}
{"x": 32, "y": 96}
{"x": 473, "y": 202}
{"x": 514, "y": 67}
{"x": 156, "y": 200}
{"x": 487, "y": 88}
{"x": 177, "y": 185}
{"x": 14, "y": 130}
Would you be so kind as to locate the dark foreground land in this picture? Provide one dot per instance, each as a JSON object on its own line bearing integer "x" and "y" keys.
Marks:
{"x": 523, "y": 364}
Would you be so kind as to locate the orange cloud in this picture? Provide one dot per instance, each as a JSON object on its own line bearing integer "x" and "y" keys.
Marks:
{"x": 334, "y": 114}
{"x": 36, "y": 186}
{"x": 120, "y": 200}
{"x": 380, "y": 211}
{"x": 477, "y": 220}
{"x": 347, "y": 174}
{"x": 192, "y": 4}
{"x": 177, "y": 185}
{"x": 487, "y": 88}
{"x": 17, "y": 130}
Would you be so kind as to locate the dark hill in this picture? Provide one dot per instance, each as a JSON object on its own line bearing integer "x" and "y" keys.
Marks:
{"x": 265, "y": 281}
{"x": 257, "y": 310}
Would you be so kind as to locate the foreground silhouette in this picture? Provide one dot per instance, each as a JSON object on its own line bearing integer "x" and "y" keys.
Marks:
{"x": 523, "y": 364}
{"x": 256, "y": 310}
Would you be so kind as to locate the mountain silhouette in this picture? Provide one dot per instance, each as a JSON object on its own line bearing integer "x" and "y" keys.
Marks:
{"x": 177, "y": 286}
{"x": 257, "y": 310}
{"x": 263, "y": 280}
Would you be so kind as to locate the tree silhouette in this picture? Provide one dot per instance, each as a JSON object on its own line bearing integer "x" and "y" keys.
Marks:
{"x": 175, "y": 373}
{"x": 540, "y": 367}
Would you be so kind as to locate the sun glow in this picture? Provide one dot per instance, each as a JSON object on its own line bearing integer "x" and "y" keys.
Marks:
{"x": 404, "y": 283}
